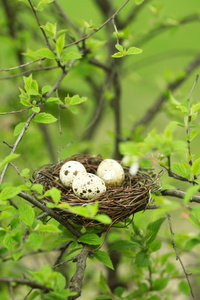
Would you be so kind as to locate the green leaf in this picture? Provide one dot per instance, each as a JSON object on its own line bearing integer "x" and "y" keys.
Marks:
{"x": 43, "y": 2}
{"x": 46, "y": 53}
{"x": 48, "y": 228}
{"x": 38, "y": 188}
{"x": 54, "y": 193}
{"x": 196, "y": 166}
{"x": 25, "y": 102}
{"x": 45, "y": 118}
{"x": 196, "y": 107}
{"x": 46, "y": 89}
{"x": 155, "y": 246}
{"x": 142, "y": 259}
{"x": 190, "y": 244}
{"x": 27, "y": 82}
{"x": 26, "y": 213}
{"x": 160, "y": 283}
{"x": 138, "y": 2}
{"x": 8, "y": 159}
{"x": 117, "y": 55}
{"x": 133, "y": 50}
{"x": 60, "y": 43}
{"x": 125, "y": 245}
{"x": 75, "y": 100}
{"x": 193, "y": 133}
{"x": 119, "y": 47}
{"x": 155, "y": 226}
{"x": 179, "y": 169}
{"x": 184, "y": 288}
{"x": 9, "y": 242}
{"x": 54, "y": 100}
{"x": 70, "y": 55}
{"x": 36, "y": 109}
{"x": 9, "y": 192}
{"x": 190, "y": 192}
{"x": 104, "y": 258}
{"x": 35, "y": 240}
{"x": 103, "y": 284}
{"x": 103, "y": 219}
{"x": 90, "y": 238}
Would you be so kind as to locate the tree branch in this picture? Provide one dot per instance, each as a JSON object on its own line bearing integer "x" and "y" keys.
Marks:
{"x": 77, "y": 278}
{"x": 180, "y": 194}
{"x": 33, "y": 284}
{"x": 178, "y": 257}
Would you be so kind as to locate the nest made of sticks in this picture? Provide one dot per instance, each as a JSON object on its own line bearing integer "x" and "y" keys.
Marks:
{"x": 119, "y": 203}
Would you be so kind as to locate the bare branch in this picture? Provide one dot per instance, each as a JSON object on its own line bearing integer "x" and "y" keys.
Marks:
{"x": 24, "y": 281}
{"x": 178, "y": 257}
{"x": 29, "y": 71}
{"x": 77, "y": 278}
{"x": 15, "y": 112}
{"x": 23, "y": 65}
{"x": 180, "y": 194}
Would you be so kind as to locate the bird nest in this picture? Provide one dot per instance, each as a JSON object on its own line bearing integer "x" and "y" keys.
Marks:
{"x": 119, "y": 203}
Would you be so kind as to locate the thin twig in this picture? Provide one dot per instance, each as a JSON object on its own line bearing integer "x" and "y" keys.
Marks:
{"x": 180, "y": 194}
{"x": 23, "y": 65}
{"x": 189, "y": 121}
{"x": 178, "y": 257}
{"x": 97, "y": 29}
{"x": 33, "y": 284}
{"x": 28, "y": 72}
{"x": 15, "y": 111}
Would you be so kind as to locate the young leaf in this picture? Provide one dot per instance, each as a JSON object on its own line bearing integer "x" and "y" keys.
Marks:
{"x": 70, "y": 55}
{"x": 8, "y": 159}
{"x": 38, "y": 188}
{"x": 9, "y": 192}
{"x": 54, "y": 193}
{"x": 119, "y": 48}
{"x": 43, "y": 2}
{"x": 104, "y": 258}
{"x": 90, "y": 238}
{"x": 179, "y": 169}
{"x": 48, "y": 228}
{"x": 155, "y": 226}
{"x": 27, "y": 82}
{"x": 46, "y": 53}
{"x": 103, "y": 219}
{"x": 26, "y": 213}
{"x": 35, "y": 240}
{"x": 9, "y": 242}
{"x": 45, "y": 118}
{"x": 60, "y": 43}
{"x": 196, "y": 166}
{"x": 190, "y": 192}
{"x": 54, "y": 100}
{"x": 190, "y": 244}
{"x": 46, "y": 89}
{"x": 184, "y": 288}
{"x": 138, "y": 2}
{"x": 36, "y": 109}
{"x": 133, "y": 50}
{"x": 117, "y": 55}
{"x": 125, "y": 245}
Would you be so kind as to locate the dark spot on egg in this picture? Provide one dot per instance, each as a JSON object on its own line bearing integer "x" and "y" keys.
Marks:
{"x": 98, "y": 191}
{"x": 90, "y": 191}
{"x": 88, "y": 182}
{"x": 66, "y": 172}
{"x": 75, "y": 173}
{"x": 84, "y": 191}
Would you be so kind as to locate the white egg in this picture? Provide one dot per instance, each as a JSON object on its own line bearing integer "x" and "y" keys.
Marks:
{"x": 69, "y": 171}
{"x": 111, "y": 172}
{"x": 88, "y": 185}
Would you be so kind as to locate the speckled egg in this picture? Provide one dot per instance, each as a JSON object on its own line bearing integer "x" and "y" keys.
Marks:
{"x": 88, "y": 185}
{"x": 111, "y": 172}
{"x": 69, "y": 171}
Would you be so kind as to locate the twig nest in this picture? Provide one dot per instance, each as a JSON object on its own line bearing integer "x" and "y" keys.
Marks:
{"x": 69, "y": 171}
{"x": 111, "y": 172}
{"x": 88, "y": 186}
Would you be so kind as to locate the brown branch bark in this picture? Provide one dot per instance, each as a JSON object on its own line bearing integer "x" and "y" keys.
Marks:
{"x": 77, "y": 278}
{"x": 180, "y": 194}
{"x": 33, "y": 284}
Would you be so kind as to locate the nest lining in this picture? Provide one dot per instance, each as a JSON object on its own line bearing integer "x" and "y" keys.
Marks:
{"x": 118, "y": 203}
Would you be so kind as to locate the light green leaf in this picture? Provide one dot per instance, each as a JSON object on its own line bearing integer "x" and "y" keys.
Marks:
{"x": 60, "y": 43}
{"x": 70, "y": 55}
{"x": 119, "y": 47}
{"x": 103, "y": 219}
{"x": 38, "y": 188}
{"x": 45, "y": 118}
{"x": 9, "y": 192}
{"x": 133, "y": 50}
{"x": 36, "y": 109}
{"x": 125, "y": 245}
{"x": 73, "y": 109}
{"x": 155, "y": 226}
{"x": 196, "y": 107}
{"x": 196, "y": 166}
{"x": 18, "y": 128}
{"x": 117, "y": 55}
{"x": 75, "y": 100}
{"x": 54, "y": 100}
{"x": 190, "y": 192}
{"x": 27, "y": 82}
{"x": 25, "y": 102}
{"x": 54, "y": 193}
{"x": 138, "y": 2}
{"x": 8, "y": 159}
{"x": 104, "y": 258}
{"x": 35, "y": 240}
{"x": 46, "y": 89}
{"x": 46, "y": 53}
{"x": 193, "y": 133}
{"x": 26, "y": 213}
{"x": 160, "y": 283}
{"x": 179, "y": 169}
{"x": 155, "y": 246}
{"x": 48, "y": 228}
{"x": 191, "y": 243}
{"x": 43, "y": 2}
{"x": 9, "y": 242}
{"x": 90, "y": 238}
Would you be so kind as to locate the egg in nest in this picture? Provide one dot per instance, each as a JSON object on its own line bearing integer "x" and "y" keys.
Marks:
{"x": 88, "y": 186}
{"x": 69, "y": 171}
{"x": 111, "y": 172}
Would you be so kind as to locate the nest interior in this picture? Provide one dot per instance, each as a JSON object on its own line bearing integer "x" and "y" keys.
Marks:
{"x": 118, "y": 203}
